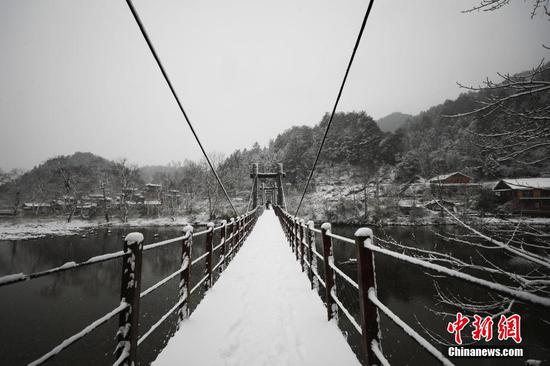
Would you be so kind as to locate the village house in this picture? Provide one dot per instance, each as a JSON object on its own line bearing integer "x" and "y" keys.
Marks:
{"x": 37, "y": 207}
{"x": 153, "y": 198}
{"x": 153, "y": 194}
{"x": 526, "y": 195}
{"x": 97, "y": 199}
{"x": 173, "y": 197}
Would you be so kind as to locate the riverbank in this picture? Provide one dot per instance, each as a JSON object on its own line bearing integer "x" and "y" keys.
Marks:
{"x": 32, "y": 228}
{"x": 436, "y": 220}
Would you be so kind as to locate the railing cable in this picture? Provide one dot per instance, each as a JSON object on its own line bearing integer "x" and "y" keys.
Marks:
{"x": 167, "y": 79}
{"x": 336, "y": 103}
{"x": 69, "y": 341}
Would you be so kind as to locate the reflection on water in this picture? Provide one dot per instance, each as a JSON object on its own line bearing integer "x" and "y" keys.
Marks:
{"x": 36, "y": 315}
{"x": 410, "y": 293}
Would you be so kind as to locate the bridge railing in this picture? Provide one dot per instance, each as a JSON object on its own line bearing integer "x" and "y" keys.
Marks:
{"x": 301, "y": 238}
{"x": 231, "y": 238}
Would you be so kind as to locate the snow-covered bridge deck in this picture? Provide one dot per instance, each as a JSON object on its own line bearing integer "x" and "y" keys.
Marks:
{"x": 260, "y": 312}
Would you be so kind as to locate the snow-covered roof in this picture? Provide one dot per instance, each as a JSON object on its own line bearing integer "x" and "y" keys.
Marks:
{"x": 406, "y": 203}
{"x": 152, "y": 202}
{"x": 437, "y": 202}
{"x": 98, "y": 197}
{"x": 526, "y": 183}
{"x": 87, "y": 205}
{"x": 445, "y": 176}
{"x": 36, "y": 204}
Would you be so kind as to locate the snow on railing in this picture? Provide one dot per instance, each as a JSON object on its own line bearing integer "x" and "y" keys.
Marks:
{"x": 295, "y": 231}
{"x": 201, "y": 281}
{"x": 407, "y": 329}
{"x": 341, "y": 238}
{"x": 68, "y": 341}
{"x": 375, "y": 346}
{"x": 344, "y": 276}
{"x": 518, "y": 294}
{"x": 128, "y": 310}
{"x": 19, "y": 277}
{"x": 161, "y": 320}
{"x": 346, "y": 313}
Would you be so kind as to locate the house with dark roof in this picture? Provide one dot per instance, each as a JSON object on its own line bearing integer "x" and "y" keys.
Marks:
{"x": 527, "y": 195}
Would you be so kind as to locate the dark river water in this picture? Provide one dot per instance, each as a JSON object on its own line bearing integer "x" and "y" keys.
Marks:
{"x": 38, "y": 314}
{"x": 409, "y": 291}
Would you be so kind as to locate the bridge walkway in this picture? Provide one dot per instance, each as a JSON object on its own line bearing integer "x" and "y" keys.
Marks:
{"x": 262, "y": 311}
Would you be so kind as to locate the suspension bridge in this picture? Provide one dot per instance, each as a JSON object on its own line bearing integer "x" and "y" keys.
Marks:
{"x": 271, "y": 266}
{"x": 265, "y": 307}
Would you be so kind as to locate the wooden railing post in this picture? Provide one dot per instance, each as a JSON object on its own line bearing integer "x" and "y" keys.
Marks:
{"x": 235, "y": 236}
{"x": 209, "y": 250}
{"x": 128, "y": 320}
{"x": 366, "y": 278}
{"x": 310, "y": 257}
{"x": 229, "y": 237}
{"x": 295, "y": 237}
{"x": 301, "y": 245}
{"x": 328, "y": 258}
{"x": 287, "y": 228}
{"x": 223, "y": 250}
{"x": 282, "y": 218}
{"x": 245, "y": 227}
{"x": 291, "y": 228}
{"x": 185, "y": 276}
{"x": 290, "y": 223}
{"x": 238, "y": 237}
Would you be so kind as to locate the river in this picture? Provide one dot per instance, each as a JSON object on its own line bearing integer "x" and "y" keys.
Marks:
{"x": 38, "y": 314}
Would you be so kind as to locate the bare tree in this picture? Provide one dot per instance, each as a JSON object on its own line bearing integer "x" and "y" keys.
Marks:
{"x": 519, "y": 103}
{"x": 71, "y": 191}
{"x": 126, "y": 175}
{"x": 105, "y": 206}
{"x": 510, "y": 126}
{"x": 211, "y": 188}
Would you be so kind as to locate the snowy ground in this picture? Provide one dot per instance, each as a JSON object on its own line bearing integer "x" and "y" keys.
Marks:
{"x": 19, "y": 229}
{"x": 16, "y": 230}
{"x": 517, "y": 220}
{"x": 261, "y": 312}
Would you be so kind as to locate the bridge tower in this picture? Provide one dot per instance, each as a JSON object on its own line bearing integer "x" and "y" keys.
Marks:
{"x": 278, "y": 176}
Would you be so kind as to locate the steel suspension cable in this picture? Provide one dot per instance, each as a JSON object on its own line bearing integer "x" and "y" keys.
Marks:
{"x": 367, "y": 13}
{"x": 167, "y": 79}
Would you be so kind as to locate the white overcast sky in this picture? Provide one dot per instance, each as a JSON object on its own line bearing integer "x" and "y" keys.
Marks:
{"x": 76, "y": 75}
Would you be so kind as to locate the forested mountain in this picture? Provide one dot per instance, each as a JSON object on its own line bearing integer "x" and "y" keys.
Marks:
{"x": 73, "y": 175}
{"x": 393, "y": 121}
{"x": 508, "y": 137}
{"x": 354, "y": 138}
